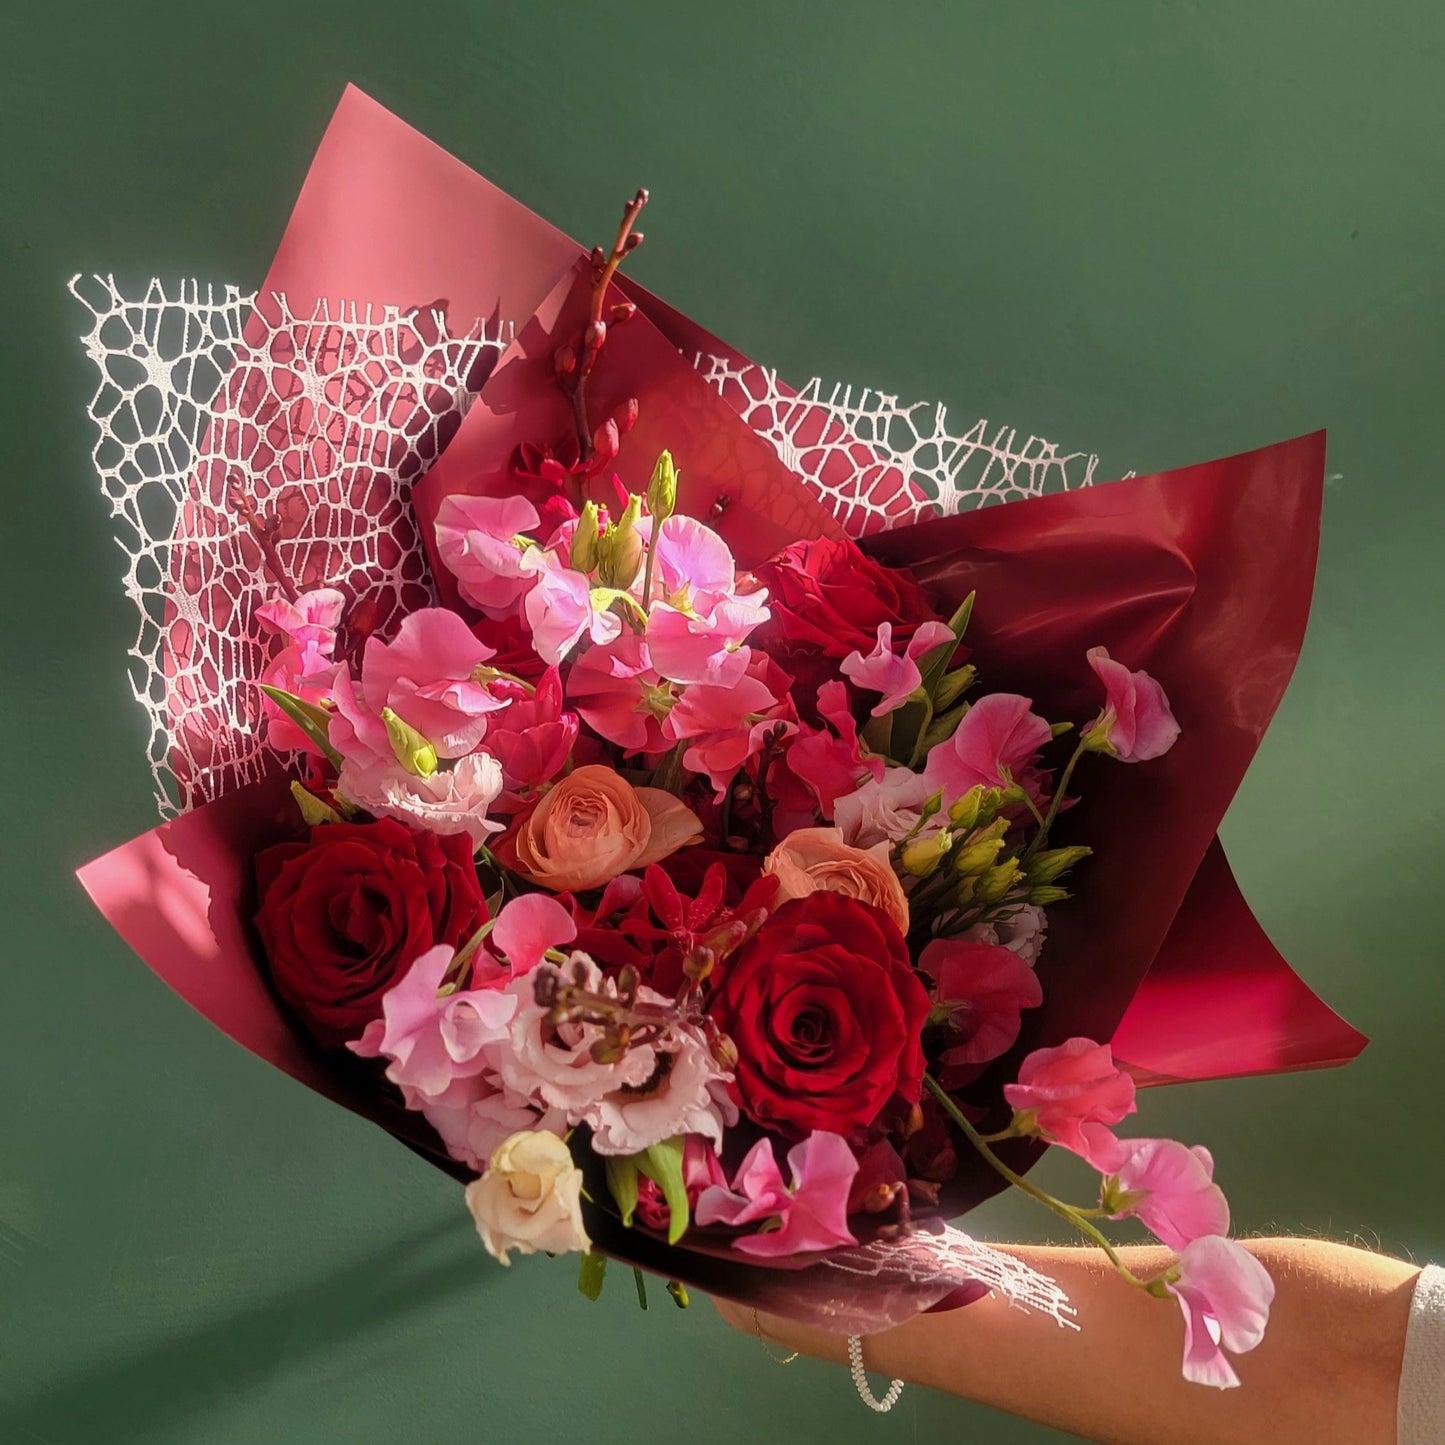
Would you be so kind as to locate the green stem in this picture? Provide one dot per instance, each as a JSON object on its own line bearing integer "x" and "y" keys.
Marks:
{"x": 922, "y": 731}
{"x": 1047, "y": 821}
{"x": 647, "y": 568}
{"x": 1064, "y": 1211}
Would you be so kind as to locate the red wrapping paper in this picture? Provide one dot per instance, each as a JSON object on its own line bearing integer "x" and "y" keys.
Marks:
{"x": 1202, "y": 576}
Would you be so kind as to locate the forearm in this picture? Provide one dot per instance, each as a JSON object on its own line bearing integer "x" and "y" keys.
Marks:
{"x": 1326, "y": 1374}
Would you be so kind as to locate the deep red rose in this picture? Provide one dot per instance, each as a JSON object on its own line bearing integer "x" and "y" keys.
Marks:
{"x": 344, "y": 914}
{"x": 827, "y": 595}
{"x": 827, "y": 1016}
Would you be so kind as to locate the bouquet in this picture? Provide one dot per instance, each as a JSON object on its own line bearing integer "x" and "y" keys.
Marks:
{"x": 665, "y": 808}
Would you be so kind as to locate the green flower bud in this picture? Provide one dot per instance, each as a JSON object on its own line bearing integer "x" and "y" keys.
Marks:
{"x": 662, "y": 489}
{"x": 412, "y": 750}
{"x": 991, "y": 887}
{"x": 977, "y": 857}
{"x": 314, "y": 810}
{"x": 584, "y": 540}
{"x": 1048, "y": 865}
{"x": 1042, "y": 897}
{"x": 964, "y": 812}
{"x": 921, "y": 857}
{"x": 952, "y": 686}
{"x": 620, "y": 548}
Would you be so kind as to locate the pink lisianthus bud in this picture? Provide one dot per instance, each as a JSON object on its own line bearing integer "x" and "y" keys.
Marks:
{"x": 1225, "y": 1294}
{"x": 1169, "y": 1188}
{"x": 1070, "y": 1094}
{"x": 1136, "y": 723}
{"x": 982, "y": 989}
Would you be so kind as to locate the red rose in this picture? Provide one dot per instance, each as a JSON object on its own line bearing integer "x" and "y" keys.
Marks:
{"x": 343, "y": 915}
{"x": 826, "y": 595}
{"x": 827, "y": 1016}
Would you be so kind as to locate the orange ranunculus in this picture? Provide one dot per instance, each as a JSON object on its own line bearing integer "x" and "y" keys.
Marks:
{"x": 813, "y": 859}
{"x": 594, "y": 825}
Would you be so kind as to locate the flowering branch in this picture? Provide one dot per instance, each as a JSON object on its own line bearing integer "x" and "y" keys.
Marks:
{"x": 573, "y": 363}
{"x": 265, "y": 532}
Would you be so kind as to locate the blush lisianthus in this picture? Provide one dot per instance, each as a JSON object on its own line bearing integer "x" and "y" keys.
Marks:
{"x": 827, "y": 1016}
{"x": 455, "y": 799}
{"x": 530, "y": 1198}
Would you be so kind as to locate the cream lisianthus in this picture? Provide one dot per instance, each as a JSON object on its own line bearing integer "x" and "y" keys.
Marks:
{"x": 530, "y": 1198}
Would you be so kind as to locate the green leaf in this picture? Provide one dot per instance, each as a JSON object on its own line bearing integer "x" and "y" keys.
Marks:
{"x": 662, "y": 1163}
{"x": 936, "y": 660}
{"x": 678, "y": 1291}
{"x": 591, "y": 1274}
{"x": 312, "y": 720}
{"x": 640, "y": 1281}
{"x": 622, "y": 1181}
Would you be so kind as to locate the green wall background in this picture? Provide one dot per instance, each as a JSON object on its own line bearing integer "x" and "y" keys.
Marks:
{"x": 1160, "y": 232}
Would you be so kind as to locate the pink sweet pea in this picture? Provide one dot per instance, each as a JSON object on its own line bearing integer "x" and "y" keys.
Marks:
{"x": 700, "y": 1170}
{"x": 986, "y": 988}
{"x": 1170, "y": 1189}
{"x": 559, "y": 608}
{"x": 532, "y": 738}
{"x": 304, "y": 667}
{"x": 426, "y": 677}
{"x": 812, "y": 1215}
{"x": 431, "y": 1042}
{"x": 1071, "y": 1093}
{"x": 1136, "y": 723}
{"x": 834, "y": 767}
{"x": 619, "y": 695}
{"x": 994, "y": 745}
{"x": 1225, "y": 1294}
{"x": 896, "y": 676}
{"x": 478, "y": 539}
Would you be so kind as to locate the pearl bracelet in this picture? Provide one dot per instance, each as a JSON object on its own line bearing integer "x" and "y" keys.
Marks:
{"x": 860, "y": 1380}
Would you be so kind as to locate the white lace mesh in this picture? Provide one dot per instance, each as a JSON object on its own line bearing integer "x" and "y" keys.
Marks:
{"x": 325, "y": 421}
{"x": 881, "y": 463}
{"x": 939, "y": 1263}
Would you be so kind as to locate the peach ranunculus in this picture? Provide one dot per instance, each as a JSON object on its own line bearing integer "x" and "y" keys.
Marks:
{"x": 810, "y": 859}
{"x": 594, "y": 825}
{"x": 530, "y": 1198}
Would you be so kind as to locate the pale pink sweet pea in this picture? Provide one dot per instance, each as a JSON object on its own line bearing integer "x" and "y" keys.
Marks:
{"x": 481, "y": 541}
{"x": 559, "y": 611}
{"x": 431, "y": 1042}
{"x": 812, "y": 1214}
{"x": 1073, "y": 1093}
{"x": 687, "y": 648}
{"x": 994, "y": 745}
{"x": 1169, "y": 1188}
{"x": 450, "y": 800}
{"x": 474, "y": 1115}
{"x": 895, "y": 675}
{"x": 986, "y": 988}
{"x": 426, "y": 676}
{"x": 1136, "y": 723}
{"x": 1224, "y": 1293}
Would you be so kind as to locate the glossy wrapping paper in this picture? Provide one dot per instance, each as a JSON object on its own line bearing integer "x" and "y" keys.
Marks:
{"x": 1202, "y": 576}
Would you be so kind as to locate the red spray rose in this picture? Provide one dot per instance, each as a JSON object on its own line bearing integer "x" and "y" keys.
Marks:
{"x": 827, "y": 1016}
{"x": 344, "y": 914}
{"x": 828, "y": 595}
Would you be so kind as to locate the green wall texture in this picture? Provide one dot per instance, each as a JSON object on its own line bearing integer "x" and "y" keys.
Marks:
{"x": 1158, "y": 232}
